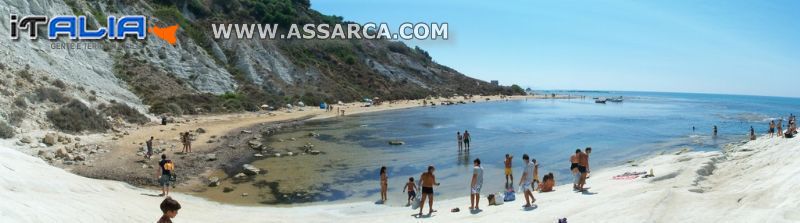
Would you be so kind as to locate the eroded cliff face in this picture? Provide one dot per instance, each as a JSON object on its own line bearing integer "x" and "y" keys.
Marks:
{"x": 194, "y": 75}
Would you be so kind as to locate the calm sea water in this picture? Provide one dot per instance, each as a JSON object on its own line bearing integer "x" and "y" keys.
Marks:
{"x": 547, "y": 130}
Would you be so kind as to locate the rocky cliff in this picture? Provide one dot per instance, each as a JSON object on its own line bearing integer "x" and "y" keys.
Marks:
{"x": 200, "y": 74}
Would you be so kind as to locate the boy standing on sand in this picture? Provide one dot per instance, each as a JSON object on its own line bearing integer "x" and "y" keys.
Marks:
{"x": 475, "y": 185}
{"x": 526, "y": 181}
{"x": 509, "y": 174}
{"x": 412, "y": 190}
{"x": 170, "y": 209}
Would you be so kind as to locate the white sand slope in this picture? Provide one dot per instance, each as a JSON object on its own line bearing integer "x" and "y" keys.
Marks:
{"x": 755, "y": 182}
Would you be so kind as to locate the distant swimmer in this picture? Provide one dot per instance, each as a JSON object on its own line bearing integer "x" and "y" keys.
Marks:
{"x": 459, "y": 140}
{"x": 467, "y": 138}
{"x": 715, "y": 130}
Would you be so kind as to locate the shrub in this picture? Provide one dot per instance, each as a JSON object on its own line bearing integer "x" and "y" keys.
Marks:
{"x": 121, "y": 110}
{"x": 50, "y": 94}
{"x": 59, "y": 84}
{"x": 77, "y": 117}
{"x": 21, "y": 102}
{"x": 16, "y": 117}
{"x": 163, "y": 108}
{"x": 6, "y": 131}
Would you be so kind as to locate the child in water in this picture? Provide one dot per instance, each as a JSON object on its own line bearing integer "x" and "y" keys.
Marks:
{"x": 412, "y": 190}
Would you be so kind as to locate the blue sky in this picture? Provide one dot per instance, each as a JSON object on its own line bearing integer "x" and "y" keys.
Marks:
{"x": 732, "y": 47}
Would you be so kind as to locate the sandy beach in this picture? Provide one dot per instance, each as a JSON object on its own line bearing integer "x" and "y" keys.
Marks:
{"x": 745, "y": 183}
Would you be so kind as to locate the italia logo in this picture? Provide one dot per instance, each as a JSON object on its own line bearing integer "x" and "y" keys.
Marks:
{"x": 75, "y": 27}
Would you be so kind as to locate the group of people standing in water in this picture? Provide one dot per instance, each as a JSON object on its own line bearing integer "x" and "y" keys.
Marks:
{"x": 528, "y": 183}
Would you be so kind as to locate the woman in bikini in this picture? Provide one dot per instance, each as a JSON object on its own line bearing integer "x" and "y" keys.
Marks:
{"x": 384, "y": 183}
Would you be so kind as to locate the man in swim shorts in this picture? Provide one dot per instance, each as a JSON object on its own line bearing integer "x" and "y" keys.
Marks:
{"x": 476, "y": 185}
{"x": 509, "y": 174}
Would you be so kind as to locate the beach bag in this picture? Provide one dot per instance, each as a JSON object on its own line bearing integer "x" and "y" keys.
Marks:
{"x": 169, "y": 166}
{"x": 509, "y": 196}
{"x": 415, "y": 203}
{"x": 499, "y": 198}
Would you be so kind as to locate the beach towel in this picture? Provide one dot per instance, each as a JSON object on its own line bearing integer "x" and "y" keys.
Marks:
{"x": 629, "y": 175}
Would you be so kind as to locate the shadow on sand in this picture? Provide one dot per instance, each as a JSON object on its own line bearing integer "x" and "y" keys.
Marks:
{"x": 531, "y": 208}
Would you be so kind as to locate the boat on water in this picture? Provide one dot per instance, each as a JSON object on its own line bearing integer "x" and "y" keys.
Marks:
{"x": 615, "y": 99}
{"x": 600, "y": 100}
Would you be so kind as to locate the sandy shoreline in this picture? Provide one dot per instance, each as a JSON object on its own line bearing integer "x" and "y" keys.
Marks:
{"x": 122, "y": 163}
{"x": 746, "y": 183}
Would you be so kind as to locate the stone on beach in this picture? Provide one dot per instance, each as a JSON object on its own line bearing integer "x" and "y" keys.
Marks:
{"x": 250, "y": 169}
{"x": 214, "y": 181}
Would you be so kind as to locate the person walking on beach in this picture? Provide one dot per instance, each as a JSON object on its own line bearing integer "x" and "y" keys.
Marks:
{"x": 459, "y": 139}
{"x": 574, "y": 168}
{"x": 780, "y": 127}
{"x": 384, "y": 184}
{"x": 752, "y": 133}
{"x": 427, "y": 180}
{"x": 475, "y": 185}
{"x": 526, "y": 181}
{"x": 165, "y": 174}
{"x": 183, "y": 142}
{"x": 509, "y": 174}
{"x": 412, "y": 190}
{"x": 467, "y": 138}
{"x": 588, "y": 167}
{"x": 583, "y": 163}
{"x": 149, "y": 151}
{"x": 169, "y": 208}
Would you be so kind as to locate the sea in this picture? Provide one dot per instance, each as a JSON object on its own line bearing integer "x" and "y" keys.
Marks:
{"x": 355, "y": 147}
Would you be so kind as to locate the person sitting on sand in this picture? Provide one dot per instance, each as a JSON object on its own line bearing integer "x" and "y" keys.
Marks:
{"x": 574, "y": 168}
{"x": 384, "y": 184}
{"x": 427, "y": 181}
{"x": 459, "y": 139}
{"x": 149, "y": 151}
{"x": 475, "y": 185}
{"x": 165, "y": 174}
{"x": 467, "y": 138}
{"x": 169, "y": 208}
{"x": 548, "y": 182}
{"x": 526, "y": 181}
{"x": 412, "y": 190}
{"x": 509, "y": 174}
